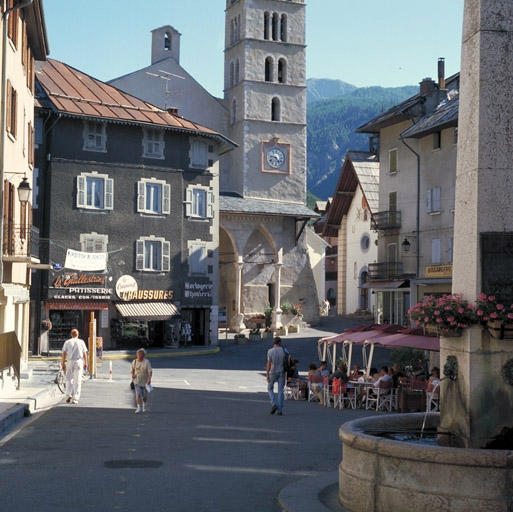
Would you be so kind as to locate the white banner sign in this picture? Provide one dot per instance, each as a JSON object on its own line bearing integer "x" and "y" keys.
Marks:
{"x": 86, "y": 261}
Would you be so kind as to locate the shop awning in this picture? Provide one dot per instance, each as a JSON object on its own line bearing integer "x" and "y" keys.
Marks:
{"x": 75, "y": 304}
{"x": 147, "y": 310}
{"x": 384, "y": 285}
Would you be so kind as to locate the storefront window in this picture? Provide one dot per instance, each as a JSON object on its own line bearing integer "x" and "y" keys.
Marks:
{"x": 62, "y": 323}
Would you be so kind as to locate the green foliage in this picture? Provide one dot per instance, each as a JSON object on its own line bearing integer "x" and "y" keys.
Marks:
{"x": 408, "y": 357}
{"x": 286, "y": 306}
{"x": 311, "y": 200}
{"x": 331, "y": 126}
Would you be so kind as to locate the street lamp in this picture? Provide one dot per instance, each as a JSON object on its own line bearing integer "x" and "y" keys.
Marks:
{"x": 406, "y": 245}
{"x": 24, "y": 191}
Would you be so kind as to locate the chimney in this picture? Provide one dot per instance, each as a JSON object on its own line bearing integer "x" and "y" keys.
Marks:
{"x": 173, "y": 110}
{"x": 427, "y": 87}
{"x": 441, "y": 74}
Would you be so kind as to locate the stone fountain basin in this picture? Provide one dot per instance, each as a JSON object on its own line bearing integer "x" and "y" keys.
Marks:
{"x": 383, "y": 475}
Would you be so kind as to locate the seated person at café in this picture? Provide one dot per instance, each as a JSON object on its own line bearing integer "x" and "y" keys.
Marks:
{"x": 340, "y": 373}
{"x": 355, "y": 374}
{"x": 434, "y": 381}
{"x": 385, "y": 377}
{"x": 316, "y": 383}
{"x": 293, "y": 379}
{"x": 373, "y": 375}
{"x": 323, "y": 368}
{"x": 396, "y": 374}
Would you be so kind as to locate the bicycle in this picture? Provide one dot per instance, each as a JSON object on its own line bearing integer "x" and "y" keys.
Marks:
{"x": 60, "y": 380}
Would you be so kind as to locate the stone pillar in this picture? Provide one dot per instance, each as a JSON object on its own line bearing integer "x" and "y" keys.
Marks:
{"x": 277, "y": 298}
{"x": 477, "y": 405}
{"x": 237, "y": 321}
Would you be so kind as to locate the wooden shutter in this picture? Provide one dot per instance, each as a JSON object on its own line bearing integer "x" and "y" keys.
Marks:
{"x": 435, "y": 251}
{"x": 166, "y": 249}
{"x": 166, "y": 198}
{"x": 139, "y": 258}
{"x": 8, "y": 115}
{"x": 109, "y": 194}
{"x": 141, "y": 196}
{"x": 188, "y": 202}
{"x": 81, "y": 191}
{"x": 428, "y": 201}
{"x": 435, "y": 200}
{"x": 210, "y": 204}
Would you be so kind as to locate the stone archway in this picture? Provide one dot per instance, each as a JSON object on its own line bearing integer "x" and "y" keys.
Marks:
{"x": 259, "y": 284}
{"x": 227, "y": 275}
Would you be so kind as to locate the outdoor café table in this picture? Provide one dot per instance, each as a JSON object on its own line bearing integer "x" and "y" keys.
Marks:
{"x": 360, "y": 386}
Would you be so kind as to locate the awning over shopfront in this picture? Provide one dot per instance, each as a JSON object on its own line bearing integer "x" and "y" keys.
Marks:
{"x": 74, "y": 305}
{"x": 385, "y": 285}
{"x": 147, "y": 310}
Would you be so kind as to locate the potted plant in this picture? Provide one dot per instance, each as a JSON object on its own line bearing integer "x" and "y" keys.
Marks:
{"x": 268, "y": 313}
{"x": 268, "y": 333}
{"x": 446, "y": 315}
{"x": 495, "y": 315}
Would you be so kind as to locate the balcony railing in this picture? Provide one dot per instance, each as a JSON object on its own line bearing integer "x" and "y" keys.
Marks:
{"x": 20, "y": 241}
{"x": 386, "y": 220}
{"x": 383, "y": 271}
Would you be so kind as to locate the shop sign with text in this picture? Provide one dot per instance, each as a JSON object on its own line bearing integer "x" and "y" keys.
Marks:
{"x": 198, "y": 290}
{"x": 147, "y": 295}
{"x": 439, "y": 271}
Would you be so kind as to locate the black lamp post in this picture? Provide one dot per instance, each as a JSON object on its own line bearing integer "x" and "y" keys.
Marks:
{"x": 406, "y": 245}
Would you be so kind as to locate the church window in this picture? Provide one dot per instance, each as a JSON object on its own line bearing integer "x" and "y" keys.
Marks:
{"x": 276, "y": 23}
{"x": 275, "y": 110}
{"x": 234, "y": 111}
{"x": 283, "y": 28}
{"x": 269, "y": 69}
{"x": 267, "y": 21}
{"x": 232, "y": 73}
{"x": 237, "y": 70}
{"x": 282, "y": 71}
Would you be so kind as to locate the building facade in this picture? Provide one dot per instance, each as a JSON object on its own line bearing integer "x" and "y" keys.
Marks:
{"x": 127, "y": 208}
{"x": 23, "y": 41}
{"x": 263, "y": 249}
{"x": 415, "y": 221}
{"x": 348, "y": 220}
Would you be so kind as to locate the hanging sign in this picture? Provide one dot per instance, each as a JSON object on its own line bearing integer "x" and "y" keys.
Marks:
{"x": 86, "y": 261}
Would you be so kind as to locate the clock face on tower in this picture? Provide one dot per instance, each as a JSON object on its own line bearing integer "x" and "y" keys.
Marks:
{"x": 275, "y": 157}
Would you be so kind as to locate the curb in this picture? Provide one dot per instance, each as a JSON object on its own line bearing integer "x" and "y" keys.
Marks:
{"x": 130, "y": 354}
{"x": 12, "y": 416}
{"x": 304, "y": 495}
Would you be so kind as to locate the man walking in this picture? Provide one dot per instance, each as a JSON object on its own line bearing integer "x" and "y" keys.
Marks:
{"x": 276, "y": 373}
{"x": 74, "y": 362}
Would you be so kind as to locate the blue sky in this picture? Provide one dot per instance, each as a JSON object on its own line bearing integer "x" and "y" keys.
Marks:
{"x": 363, "y": 42}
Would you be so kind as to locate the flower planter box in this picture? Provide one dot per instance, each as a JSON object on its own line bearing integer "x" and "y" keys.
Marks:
{"x": 500, "y": 330}
{"x": 293, "y": 328}
{"x": 240, "y": 340}
{"x": 282, "y": 331}
{"x": 255, "y": 337}
{"x": 268, "y": 335}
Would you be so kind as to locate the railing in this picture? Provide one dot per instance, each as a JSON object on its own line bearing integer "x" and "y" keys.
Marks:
{"x": 388, "y": 270}
{"x": 386, "y": 220}
{"x": 10, "y": 355}
{"x": 21, "y": 240}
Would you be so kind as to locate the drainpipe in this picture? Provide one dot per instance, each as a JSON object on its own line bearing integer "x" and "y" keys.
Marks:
{"x": 417, "y": 227}
{"x": 2, "y": 127}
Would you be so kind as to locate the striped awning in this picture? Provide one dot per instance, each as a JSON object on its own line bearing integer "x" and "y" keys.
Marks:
{"x": 147, "y": 310}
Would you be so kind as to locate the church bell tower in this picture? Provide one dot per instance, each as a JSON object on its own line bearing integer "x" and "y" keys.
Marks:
{"x": 265, "y": 89}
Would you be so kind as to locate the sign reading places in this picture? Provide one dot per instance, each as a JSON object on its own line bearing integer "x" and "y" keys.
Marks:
{"x": 439, "y": 271}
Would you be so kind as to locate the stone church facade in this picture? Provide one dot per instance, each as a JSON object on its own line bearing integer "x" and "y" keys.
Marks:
{"x": 263, "y": 253}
